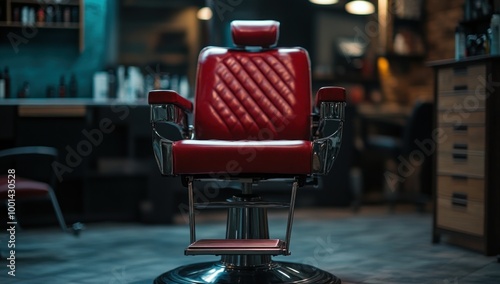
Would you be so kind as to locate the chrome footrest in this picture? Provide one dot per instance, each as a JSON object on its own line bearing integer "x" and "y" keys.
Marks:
{"x": 244, "y": 204}
{"x": 237, "y": 247}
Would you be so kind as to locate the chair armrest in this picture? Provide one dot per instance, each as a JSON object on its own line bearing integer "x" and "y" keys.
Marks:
{"x": 330, "y": 102}
{"x": 168, "y": 107}
{"x": 330, "y": 94}
{"x": 29, "y": 150}
{"x": 164, "y": 97}
{"x": 329, "y": 105}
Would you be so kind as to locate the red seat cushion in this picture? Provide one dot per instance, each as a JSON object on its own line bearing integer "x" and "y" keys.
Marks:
{"x": 220, "y": 157}
{"x": 24, "y": 187}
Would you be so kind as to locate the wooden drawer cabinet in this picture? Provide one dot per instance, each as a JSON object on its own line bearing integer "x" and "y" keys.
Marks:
{"x": 460, "y": 186}
{"x": 463, "y": 137}
{"x": 461, "y": 163}
{"x": 461, "y": 78}
{"x": 461, "y": 205}
{"x": 467, "y": 217}
{"x": 464, "y": 100}
{"x": 467, "y": 159}
{"x": 461, "y": 119}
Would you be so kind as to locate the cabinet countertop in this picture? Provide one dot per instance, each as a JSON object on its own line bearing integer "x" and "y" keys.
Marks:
{"x": 451, "y": 61}
{"x": 70, "y": 102}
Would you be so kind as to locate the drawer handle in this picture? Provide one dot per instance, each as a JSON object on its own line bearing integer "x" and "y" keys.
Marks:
{"x": 460, "y": 88}
{"x": 460, "y": 71}
{"x": 459, "y": 177}
{"x": 459, "y": 157}
{"x": 460, "y": 127}
{"x": 459, "y": 199}
{"x": 460, "y": 146}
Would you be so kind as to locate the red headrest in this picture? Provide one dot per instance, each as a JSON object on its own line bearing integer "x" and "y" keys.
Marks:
{"x": 255, "y": 33}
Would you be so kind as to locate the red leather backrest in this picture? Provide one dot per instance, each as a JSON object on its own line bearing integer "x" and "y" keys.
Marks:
{"x": 253, "y": 95}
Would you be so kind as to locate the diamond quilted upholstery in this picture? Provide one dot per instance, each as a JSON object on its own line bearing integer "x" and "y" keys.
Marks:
{"x": 243, "y": 95}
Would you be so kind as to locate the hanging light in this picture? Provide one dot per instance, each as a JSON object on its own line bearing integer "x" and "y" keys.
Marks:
{"x": 324, "y": 2}
{"x": 360, "y": 7}
{"x": 204, "y": 14}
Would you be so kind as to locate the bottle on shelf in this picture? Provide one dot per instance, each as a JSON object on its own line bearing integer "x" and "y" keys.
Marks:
{"x": 16, "y": 14}
{"x": 58, "y": 14}
{"x": 25, "y": 15}
{"x": 459, "y": 43}
{"x": 67, "y": 15}
{"x": 62, "y": 88}
{"x": 24, "y": 92}
{"x": 495, "y": 34}
{"x": 40, "y": 15}
{"x": 112, "y": 84}
{"x": 31, "y": 16}
{"x": 75, "y": 15}
{"x": 49, "y": 14}
{"x": 2, "y": 87}
{"x": 73, "y": 89}
{"x": 50, "y": 92}
{"x": 6, "y": 77}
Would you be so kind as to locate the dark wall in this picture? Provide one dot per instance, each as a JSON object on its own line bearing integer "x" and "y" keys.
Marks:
{"x": 295, "y": 18}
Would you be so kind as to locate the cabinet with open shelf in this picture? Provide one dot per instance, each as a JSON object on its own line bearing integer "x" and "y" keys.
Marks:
{"x": 53, "y": 15}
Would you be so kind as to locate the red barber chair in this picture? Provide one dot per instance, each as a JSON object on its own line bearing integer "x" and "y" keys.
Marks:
{"x": 27, "y": 173}
{"x": 252, "y": 122}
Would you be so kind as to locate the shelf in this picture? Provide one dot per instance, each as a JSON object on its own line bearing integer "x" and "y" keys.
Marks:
{"x": 344, "y": 79}
{"x": 477, "y": 21}
{"x": 407, "y": 22}
{"x": 47, "y": 2}
{"x": 393, "y": 55}
{"x": 8, "y": 23}
{"x": 70, "y": 102}
{"x": 71, "y": 26}
{"x": 470, "y": 59}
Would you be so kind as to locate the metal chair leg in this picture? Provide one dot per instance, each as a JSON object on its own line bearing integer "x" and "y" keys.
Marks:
{"x": 57, "y": 210}
{"x": 76, "y": 228}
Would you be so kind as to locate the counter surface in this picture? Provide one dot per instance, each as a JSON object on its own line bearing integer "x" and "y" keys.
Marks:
{"x": 70, "y": 102}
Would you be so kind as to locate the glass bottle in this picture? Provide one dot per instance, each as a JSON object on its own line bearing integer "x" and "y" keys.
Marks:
{"x": 6, "y": 78}
{"x": 73, "y": 86}
{"x": 62, "y": 88}
{"x": 495, "y": 34}
{"x": 67, "y": 15}
{"x": 40, "y": 15}
{"x": 459, "y": 43}
{"x": 49, "y": 14}
{"x": 2, "y": 87}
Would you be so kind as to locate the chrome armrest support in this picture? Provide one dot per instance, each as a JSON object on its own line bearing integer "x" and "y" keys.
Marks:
{"x": 162, "y": 147}
{"x": 326, "y": 147}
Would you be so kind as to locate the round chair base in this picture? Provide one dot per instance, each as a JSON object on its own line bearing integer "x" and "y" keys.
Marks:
{"x": 276, "y": 272}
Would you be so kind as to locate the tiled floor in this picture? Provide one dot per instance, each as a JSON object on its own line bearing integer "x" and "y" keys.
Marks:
{"x": 369, "y": 247}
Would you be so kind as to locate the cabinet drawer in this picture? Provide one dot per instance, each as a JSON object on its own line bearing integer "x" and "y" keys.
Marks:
{"x": 462, "y": 137}
{"x": 459, "y": 100}
{"x": 460, "y": 117}
{"x": 460, "y": 163}
{"x": 460, "y": 187}
{"x": 470, "y": 78}
{"x": 467, "y": 218}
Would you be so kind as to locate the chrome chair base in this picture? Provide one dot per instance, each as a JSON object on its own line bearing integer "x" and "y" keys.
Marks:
{"x": 275, "y": 272}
